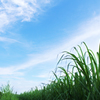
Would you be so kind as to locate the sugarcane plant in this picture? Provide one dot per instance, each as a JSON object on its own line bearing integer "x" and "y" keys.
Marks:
{"x": 83, "y": 82}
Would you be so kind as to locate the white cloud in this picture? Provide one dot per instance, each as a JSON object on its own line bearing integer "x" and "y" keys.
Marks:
{"x": 4, "y": 39}
{"x": 42, "y": 76}
{"x": 3, "y": 20}
{"x": 24, "y": 10}
{"x": 30, "y": 63}
{"x": 6, "y": 71}
{"x": 9, "y": 71}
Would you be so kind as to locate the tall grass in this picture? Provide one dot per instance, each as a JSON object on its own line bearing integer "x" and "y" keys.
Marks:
{"x": 80, "y": 80}
{"x": 85, "y": 82}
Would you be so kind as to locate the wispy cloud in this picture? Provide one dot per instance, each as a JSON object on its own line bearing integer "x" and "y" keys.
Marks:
{"x": 9, "y": 71}
{"x": 4, "y": 39}
{"x": 24, "y": 10}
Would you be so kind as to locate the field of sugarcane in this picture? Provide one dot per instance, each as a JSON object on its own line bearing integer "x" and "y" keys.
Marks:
{"x": 79, "y": 80}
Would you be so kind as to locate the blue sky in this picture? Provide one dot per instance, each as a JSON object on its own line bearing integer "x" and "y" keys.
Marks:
{"x": 34, "y": 32}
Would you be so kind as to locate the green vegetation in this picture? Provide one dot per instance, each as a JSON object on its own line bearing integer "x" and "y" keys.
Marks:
{"x": 81, "y": 83}
{"x": 7, "y": 93}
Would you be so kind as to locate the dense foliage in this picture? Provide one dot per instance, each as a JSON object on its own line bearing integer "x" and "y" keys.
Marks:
{"x": 7, "y": 93}
{"x": 81, "y": 83}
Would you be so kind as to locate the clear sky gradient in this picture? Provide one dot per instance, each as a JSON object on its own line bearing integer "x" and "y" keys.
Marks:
{"x": 34, "y": 32}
